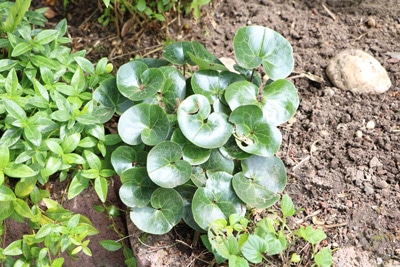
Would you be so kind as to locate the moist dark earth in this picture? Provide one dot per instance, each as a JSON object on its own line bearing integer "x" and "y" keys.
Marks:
{"x": 347, "y": 183}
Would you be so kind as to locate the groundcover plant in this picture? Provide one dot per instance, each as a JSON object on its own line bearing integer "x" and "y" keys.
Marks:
{"x": 200, "y": 140}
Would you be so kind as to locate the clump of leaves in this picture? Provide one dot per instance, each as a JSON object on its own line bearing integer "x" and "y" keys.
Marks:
{"x": 200, "y": 140}
{"x": 239, "y": 243}
{"x": 49, "y": 127}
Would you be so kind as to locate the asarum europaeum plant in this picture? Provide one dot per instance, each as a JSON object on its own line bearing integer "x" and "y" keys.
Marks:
{"x": 200, "y": 144}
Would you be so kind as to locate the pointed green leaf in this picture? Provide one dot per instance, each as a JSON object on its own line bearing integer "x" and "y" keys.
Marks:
{"x": 200, "y": 126}
{"x": 85, "y": 64}
{"x": 253, "y": 135}
{"x": 256, "y": 45}
{"x": 287, "y": 206}
{"x": 101, "y": 188}
{"x": 14, "y": 110}
{"x": 78, "y": 184}
{"x": 46, "y": 36}
{"x": 110, "y": 245}
{"x": 14, "y": 249}
{"x": 18, "y": 170}
{"x": 166, "y": 167}
{"x": 22, "y": 208}
{"x": 137, "y": 189}
{"x": 6, "y": 194}
{"x": 165, "y": 212}
{"x": 260, "y": 181}
{"x": 21, "y": 48}
{"x": 143, "y": 123}
{"x": 4, "y": 157}
{"x": 215, "y": 200}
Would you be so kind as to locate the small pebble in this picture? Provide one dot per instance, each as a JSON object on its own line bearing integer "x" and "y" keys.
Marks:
{"x": 359, "y": 134}
{"x": 379, "y": 261}
{"x": 369, "y": 190}
{"x": 370, "y": 125}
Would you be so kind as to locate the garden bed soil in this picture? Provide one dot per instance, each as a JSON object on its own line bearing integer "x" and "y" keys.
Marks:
{"x": 347, "y": 183}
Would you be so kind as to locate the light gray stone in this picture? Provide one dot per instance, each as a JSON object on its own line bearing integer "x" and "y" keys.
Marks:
{"x": 359, "y": 72}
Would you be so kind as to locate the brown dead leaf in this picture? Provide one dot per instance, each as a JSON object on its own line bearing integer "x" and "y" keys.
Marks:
{"x": 50, "y": 13}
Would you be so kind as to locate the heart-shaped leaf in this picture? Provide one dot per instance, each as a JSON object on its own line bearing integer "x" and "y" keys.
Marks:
{"x": 108, "y": 95}
{"x": 256, "y": 45}
{"x": 253, "y": 134}
{"x": 212, "y": 83}
{"x": 177, "y": 53}
{"x": 143, "y": 123}
{"x": 166, "y": 167}
{"x": 137, "y": 82}
{"x": 260, "y": 181}
{"x": 215, "y": 200}
{"x": 137, "y": 189}
{"x": 163, "y": 213}
{"x": 123, "y": 158}
{"x": 199, "y": 126}
{"x": 279, "y": 100}
{"x": 193, "y": 154}
{"x": 253, "y": 248}
{"x": 172, "y": 91}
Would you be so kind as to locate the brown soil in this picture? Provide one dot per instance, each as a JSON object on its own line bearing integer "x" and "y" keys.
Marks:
{"x": 347, "y": 185}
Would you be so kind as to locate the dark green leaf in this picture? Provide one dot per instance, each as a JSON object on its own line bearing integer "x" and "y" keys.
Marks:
{"x": 200, "y": 126}
{"x": 137, "y": 188}
{"x": 165, "y": 212}
{"x": 143, "y": 123}
{"x": 110, "y": 245}
{"x": 215, "y": 200}
{"x": 253, "y": 135}
{"x": 166, "y": 167}
{"x": 256, "y": 45}
{"x": 260, "y": 181}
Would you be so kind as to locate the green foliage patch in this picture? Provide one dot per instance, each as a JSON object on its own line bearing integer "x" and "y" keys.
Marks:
{"x": 200, "y": 135}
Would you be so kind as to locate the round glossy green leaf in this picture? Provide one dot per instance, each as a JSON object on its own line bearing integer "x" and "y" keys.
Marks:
{"x": 218, "y": 162}
{"x": 193, "y": 154}
{"x": 172, "y": 91}
{"x": 200, "y": 126}
{"x": 123, "y": 158}
{"x": 279, "y": 100}
{"x": 215, "y": 200}
{"x": 253, "y": 135}
{"x": 108, "y": 95}
{"x": 256, "y": 45}
{"x": 137, "y": 191}
{"x": 260, "y": 181}
{"x": 212, "y": 83}
{"x": 143, "y": 123}
{"x": 177, "y": 53}
{"x": 166, "y": 167}
{"x": 137, "y": 82}
{"x": 163, "y": 213}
